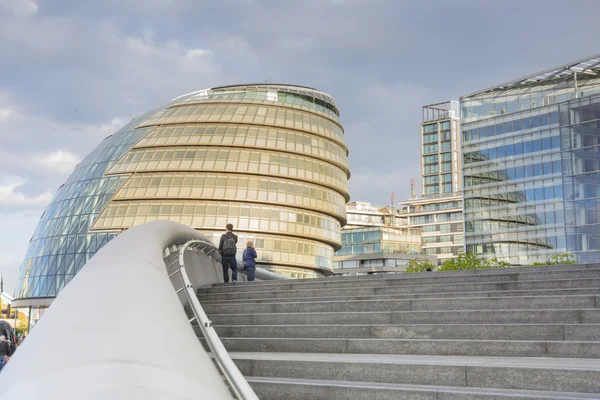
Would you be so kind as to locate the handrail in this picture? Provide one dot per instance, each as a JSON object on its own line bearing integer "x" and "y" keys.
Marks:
{"x": 236, "y": 380}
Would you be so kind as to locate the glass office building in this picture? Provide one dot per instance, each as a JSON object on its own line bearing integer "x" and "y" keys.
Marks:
{"x": 531, "y": 152}
{"x": 440, "y": 149}
{"x": 440, "y": 220}
{"x": 376, "y": 240}
{"x": 380, "y": 239}
{"x": 268, "y": 158}
{"x": 438, "y": 214}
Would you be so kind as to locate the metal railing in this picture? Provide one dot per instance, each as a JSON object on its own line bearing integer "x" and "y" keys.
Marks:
{"x": 236, "y": 381}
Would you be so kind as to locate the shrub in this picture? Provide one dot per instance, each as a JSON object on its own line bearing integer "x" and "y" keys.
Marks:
{"x": 557, "y": 259}
{"x": 462, "y": 262}
{"x": 419, "y": 265}
{"x": 495, "y": 263}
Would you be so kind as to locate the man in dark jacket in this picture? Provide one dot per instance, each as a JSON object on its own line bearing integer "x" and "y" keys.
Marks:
{"x": 228, "y": 250}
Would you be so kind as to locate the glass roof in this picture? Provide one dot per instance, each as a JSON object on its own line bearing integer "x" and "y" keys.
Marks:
{"x": 587, "y": 66}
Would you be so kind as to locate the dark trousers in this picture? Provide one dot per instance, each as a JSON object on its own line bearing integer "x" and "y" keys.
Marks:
{"x": 229, "y": 262}
{"x": 250, "y": 273}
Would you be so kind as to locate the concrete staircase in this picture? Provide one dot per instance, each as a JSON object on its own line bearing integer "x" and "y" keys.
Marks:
{"x": 521, "y": 333}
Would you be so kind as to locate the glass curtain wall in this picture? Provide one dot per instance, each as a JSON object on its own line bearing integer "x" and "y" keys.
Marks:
{"x": 532, "y": 170}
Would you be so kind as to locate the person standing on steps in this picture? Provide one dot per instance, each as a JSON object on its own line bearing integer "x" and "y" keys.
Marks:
{"x": 228, "y": 250}
{"x": 249, "y": 257}
{"x": 6, "y": 351}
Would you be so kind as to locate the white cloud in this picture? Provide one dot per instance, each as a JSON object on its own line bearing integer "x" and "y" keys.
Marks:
{"x": 191, "y": 53}
{"x": 58, "y": 161}
{"x": 11, "y": 197}
{"x": 19, "y": 7}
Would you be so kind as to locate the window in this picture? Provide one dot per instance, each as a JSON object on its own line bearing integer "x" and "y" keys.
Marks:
{"x": 431, "y": 159}
{"x": 431, "y": 169}
{"x": 431, "y": 179}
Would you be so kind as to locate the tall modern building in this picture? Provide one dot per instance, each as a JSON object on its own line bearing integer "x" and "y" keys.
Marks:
{"x": 440, "y": 149}
{"x": 532, "y": 165}
{"x": 439, "y": 212}
{"x": 268, "y": 158}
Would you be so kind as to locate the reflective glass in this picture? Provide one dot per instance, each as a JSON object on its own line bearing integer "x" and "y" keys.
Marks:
{"x": 247, "y": 136}
{"x": 233, "y": 187}
{"x": 250, "y": 114}
{"x": 209, "y": 215}
{"x": 232, "y": 160}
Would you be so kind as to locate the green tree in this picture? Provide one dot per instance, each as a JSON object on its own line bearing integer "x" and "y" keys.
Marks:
{"x": 495, "y": 263}
{"x": 557, "y": 259}
{"x": 564, "y": 258}
{"x": 419, "y": 265}
{"x": 462, "y": 262}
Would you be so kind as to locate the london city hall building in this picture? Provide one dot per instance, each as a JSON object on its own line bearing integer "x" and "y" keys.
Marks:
{"x": 268, "y": 158}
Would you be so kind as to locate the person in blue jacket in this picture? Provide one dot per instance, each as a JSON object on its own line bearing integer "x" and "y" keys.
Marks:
{"x": 249, "y": 258}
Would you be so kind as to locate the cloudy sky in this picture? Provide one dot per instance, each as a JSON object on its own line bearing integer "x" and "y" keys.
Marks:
{"x": 72, "y": 72}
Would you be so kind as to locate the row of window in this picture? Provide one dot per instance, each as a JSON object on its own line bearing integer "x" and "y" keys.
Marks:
{"x": 454, "y": 250}
{"x": 433, "y": 169}
{"x": 446, "y": 188}
{"x": 543, "y": 241}
{"x": 305, "y": 100}
{"x": 533, "y": 122}
{"x": 434, "y": 159}
{"x": 430, "y": 148}
{"x": 233, "y": 160}
{"x": 434, "y": 179}
{"x": 527, "y": 195}
{"x": 430, "y": 138}
{"x": 379, "y": 247}
{"x": 214, "y": 215}
{"x": 439, "y": 239}
{"x": 513, "y": 149}
{"x": 430, "y": 128}
{"x": 247, "y": 136}
{"x": 233, "y": 187}
{"x": 249, "y": 114}
{"x": 508, "y": 174}
{"x": 351, "y": 236}
{"x": 444, "y": 228}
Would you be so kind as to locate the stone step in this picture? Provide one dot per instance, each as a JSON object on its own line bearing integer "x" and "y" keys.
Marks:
{"x": 375, "y": 277}
{"x": 441, "y": 347}
{"x": 471, "y": 303}
{"x": 522, "y": 373}
{"x": 317, "y": 389}
{"x": 400, "y": 280}
{"x": 540, "y": 332}
{"x": 589, "y": 286}
{"x": 592, "y": 282}
{"x": 522, "y": 316}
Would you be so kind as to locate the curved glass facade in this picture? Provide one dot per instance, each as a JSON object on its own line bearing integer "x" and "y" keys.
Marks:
{"x": 270, "y": 159}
